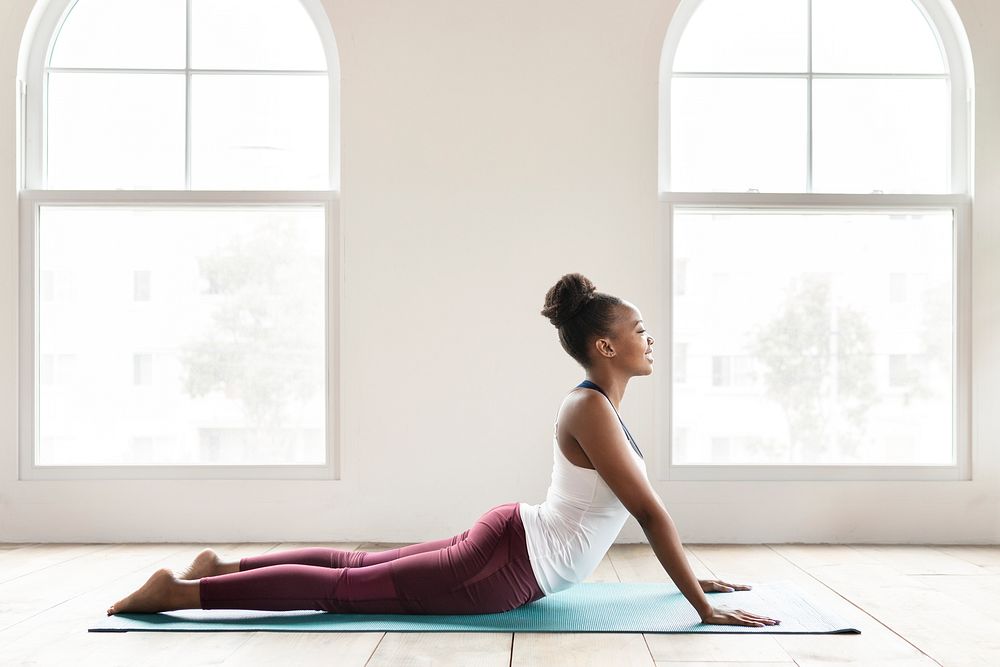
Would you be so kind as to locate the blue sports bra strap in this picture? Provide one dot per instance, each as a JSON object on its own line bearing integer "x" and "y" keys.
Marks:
{"x": 587, "y": 384}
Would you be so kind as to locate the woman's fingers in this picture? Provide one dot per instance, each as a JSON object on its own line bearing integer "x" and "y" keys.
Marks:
{"x": 752, "y": 618}
{"x": 720, "y": 586}
{"x": 740, "y": 617}
{"x": 738, "y": 587}
{"x": 726, "y": 587}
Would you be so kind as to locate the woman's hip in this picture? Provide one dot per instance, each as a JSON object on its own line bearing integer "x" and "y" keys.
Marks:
{"x": 511, "y": 553}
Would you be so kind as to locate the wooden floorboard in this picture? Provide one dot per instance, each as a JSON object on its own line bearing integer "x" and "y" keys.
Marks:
{"x": 915, "y": 605}
{"x": 877, "y": 644}
{"x": 935, "y": 623}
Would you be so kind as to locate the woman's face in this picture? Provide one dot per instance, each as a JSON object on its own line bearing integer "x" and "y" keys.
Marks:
{"x": 633, "y": 344}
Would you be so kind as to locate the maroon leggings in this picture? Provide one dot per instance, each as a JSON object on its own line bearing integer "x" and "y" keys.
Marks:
{"x": 483, "y": 570}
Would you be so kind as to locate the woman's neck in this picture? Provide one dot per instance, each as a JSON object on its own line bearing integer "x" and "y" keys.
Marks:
{"x": 613, "y": 386}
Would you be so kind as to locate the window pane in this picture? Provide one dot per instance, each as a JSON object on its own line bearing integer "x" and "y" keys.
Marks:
{"x": 254, "y": 34}
{"x": 115, "y": 131}
{"x": 798, "y": 356}
{"x": 884, "y": 36}
{"x": 259, "y": 131}
{"x": 234, "y": 374}
{"x": 888, "y": 135}
{"x": 123, "y": 34}
{"x": 741, "y": 36}
{"x": 733, "y": 135}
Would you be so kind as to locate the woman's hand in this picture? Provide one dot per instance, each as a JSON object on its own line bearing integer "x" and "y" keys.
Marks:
{"x": 738, "y": 617}
{"x": 731, "y": 616}
{"x": 719, "y": 586}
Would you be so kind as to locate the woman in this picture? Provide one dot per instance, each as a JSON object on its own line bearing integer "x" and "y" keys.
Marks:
{"x": 515, "y": 553}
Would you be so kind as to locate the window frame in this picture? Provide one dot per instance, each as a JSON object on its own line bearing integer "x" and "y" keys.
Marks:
{"x": 33, "y": 194}
{"x": 960, "y": 206}
{"x": 947, "y": 27}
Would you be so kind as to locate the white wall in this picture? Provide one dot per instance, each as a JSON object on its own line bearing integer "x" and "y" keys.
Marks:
{"x": 488, "y": 148}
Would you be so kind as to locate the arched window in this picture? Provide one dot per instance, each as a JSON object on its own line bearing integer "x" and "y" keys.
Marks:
{"x": 815, "y": 181}
{"x": 179, "y": 227}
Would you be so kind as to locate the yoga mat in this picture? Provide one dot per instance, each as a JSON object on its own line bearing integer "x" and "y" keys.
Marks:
{"x": 587, "y": 607}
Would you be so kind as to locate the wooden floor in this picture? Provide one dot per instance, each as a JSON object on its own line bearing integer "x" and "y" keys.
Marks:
{"x": 915, "y": 605}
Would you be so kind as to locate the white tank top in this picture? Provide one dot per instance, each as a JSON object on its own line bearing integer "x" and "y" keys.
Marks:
{"x": 569, "y": 533}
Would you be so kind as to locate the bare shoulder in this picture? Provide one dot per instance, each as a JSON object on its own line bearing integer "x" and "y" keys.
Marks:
{"x": 578, "y": 407}
{"x": 590, "y": 419}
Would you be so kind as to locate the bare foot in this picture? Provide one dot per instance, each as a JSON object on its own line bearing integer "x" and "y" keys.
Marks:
{"x": 159, "y": 593}
{"x": 208, "y": 564}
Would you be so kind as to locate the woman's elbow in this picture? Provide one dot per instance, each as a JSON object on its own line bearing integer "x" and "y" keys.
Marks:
{"x": 652, "y": 516}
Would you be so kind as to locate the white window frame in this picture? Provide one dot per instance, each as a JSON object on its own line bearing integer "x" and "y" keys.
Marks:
{"x": 33, "y": 194}
{"x": 948, "y": 28}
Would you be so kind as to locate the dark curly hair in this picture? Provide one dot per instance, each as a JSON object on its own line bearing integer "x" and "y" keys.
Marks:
{"x": 580, "y": 313}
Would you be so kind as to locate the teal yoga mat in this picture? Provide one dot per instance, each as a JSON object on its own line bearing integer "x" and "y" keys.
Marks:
{"x": 588, "y": 607}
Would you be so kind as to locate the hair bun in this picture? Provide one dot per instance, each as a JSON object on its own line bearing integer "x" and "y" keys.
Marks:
{"x": 566, "y": 298}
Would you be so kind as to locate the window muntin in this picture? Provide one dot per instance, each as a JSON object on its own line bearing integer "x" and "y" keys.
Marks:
{"x": 246, "y": 106}
{"x": 847, "y": 36}
{"x": 151, "y": 172}
{"x": 874, "y": 176}
{"x": 794, "y": 106}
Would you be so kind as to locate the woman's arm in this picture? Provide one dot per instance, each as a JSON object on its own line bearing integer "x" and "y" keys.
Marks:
{"x": 666, "y": 544}
{"x": 592, "y": 421}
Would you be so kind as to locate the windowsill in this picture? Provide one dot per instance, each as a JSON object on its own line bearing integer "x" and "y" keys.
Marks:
{"x": 814, "y": 473}
{"x": 247, "y": 473}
